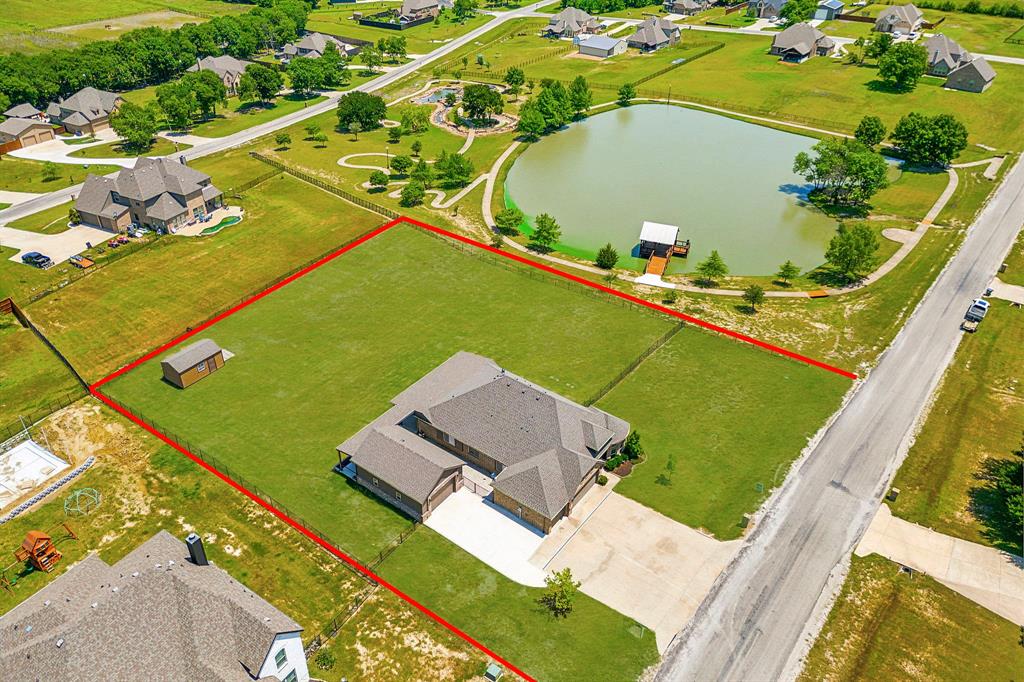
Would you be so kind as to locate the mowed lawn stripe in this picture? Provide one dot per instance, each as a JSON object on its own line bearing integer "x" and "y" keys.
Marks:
{"x": 321, "y": 357}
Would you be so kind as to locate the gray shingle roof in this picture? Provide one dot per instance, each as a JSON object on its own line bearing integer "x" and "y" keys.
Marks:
{"x": 23, "y": 110}
{"x": 153, "y": 612}
{"x": 409, "y": 6}
{"x": 944, "y": 50}
{"x": 16, "y": 126}
{"x": 976, "y": 68}
{"x": 88, "y": 104}
{"x": 600, "y": 42}
{"x": 192, "y": 355}
{"x": 160, "y": 183}
{"x": 801, "y": 38}
{"x": 571, "y": 19}
{"x": 908, "y": 13}
{"x": 653, "y": 31}
{"x": 545, "y": 442}
{"x": 221, "y": 65}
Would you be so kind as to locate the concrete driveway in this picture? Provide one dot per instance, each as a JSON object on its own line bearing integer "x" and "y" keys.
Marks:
{"x": 639, "y": 562}
{"x": 492, "y": 536}
{"x": 59, "y": 247}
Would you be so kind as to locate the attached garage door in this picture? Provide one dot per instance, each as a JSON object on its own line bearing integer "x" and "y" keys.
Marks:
{"x": 443, "y": 492}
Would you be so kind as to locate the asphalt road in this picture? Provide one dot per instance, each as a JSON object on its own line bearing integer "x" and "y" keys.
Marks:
{"x": 230, "y": 141}
{"x": 752, "y": 621}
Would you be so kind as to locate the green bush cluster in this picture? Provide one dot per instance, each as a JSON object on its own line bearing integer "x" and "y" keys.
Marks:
{"x": 631, "y": 450}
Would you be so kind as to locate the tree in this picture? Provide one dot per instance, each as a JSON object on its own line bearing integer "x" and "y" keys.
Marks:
{"x": 787, "y": 271}
{"x": 464, "y": 9}
{"x": 401, "y": 164}
{"x": 479, "y": 102}
{"x": 416, "y": 147}
{"x": 415, "y": 120}
{"x": 454, "y": 169}
{"x": 264, "y": 81}
{"x": 531, "y": 120}
{"x": 371, "y": 57}
{"x": 852, "y": 250}
{"x": 136, "y": 125}
{"x": 903, "y": 65}
{"x": 626, "y": 93}
{"x": 632, "y": 448}
{"x": 607, "y": 257}
{"x": 514, "y": 79}
{"x": 423, "y": 174}
{"x": 795, "y": 11}
{"x": 711, "y": 269}
{"x": 754, "y": 295}
{"x": 355, "y": 127}
{"x": 305, "y": 74}
{"x": 379, "y": 179}
{"x": 559, "y": 592}
{"x": 871, "y": 131}
{"x": 177, "y": 102}
{"x": 51, "y": 171}
{"x": 509, "y": 220}
{"x": 395, "y": 47}
{"x": 554, "y": 105}
{"x": 878, "y": 45}
{"x": 333, "y": 67}
{"x": 283, "y": 140}
{"x": 74, "y": 217}
{"x": 394, "y": 135}
{"x": 1004, "y": 476}
{"x": 208, "y": 90}
{"x": 844, "y": 172}
{"x": 368, "y": 109}
{"x": 580, "y": 96}
{"x": 320, "y": 139}
{"x": 546, "y": 233}
{"x": 927, "y": 140}
{"x": 312, "y": 129}
{"x": 412, "y": 194}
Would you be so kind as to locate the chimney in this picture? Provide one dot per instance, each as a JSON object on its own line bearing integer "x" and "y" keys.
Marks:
{"x": 196, "y": 551}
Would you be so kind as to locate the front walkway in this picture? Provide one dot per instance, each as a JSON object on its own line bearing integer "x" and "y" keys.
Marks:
{"x": 490, "y": 534}
{"x": 1014, "y": 293}
{"x": 983, "y": 574}
{"x": 640, "y": 563}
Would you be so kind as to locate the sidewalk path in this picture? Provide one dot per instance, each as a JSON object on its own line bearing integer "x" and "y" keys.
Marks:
{"x": 1014, "y": 293}
{"x": 983, "y": 574}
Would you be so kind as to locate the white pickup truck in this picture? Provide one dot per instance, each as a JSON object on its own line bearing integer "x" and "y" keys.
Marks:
{"x": 974, "y": 315}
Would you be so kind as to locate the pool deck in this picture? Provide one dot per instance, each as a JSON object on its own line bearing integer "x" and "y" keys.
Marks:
{"x": 196, "y": 228}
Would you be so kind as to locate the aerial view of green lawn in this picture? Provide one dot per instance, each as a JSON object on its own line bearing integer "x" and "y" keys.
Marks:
{"x": 355, "y": 332}
{"x": 31, "y": 375}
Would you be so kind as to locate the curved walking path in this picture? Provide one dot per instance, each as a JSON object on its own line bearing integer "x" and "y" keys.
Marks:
{"x": 439, "y": 195}
{"x": 908, "y": 239}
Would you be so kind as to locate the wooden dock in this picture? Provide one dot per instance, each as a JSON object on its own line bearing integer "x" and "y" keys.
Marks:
{"x": 656, "y": 265}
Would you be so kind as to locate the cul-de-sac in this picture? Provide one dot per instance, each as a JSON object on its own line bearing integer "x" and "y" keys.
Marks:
{"x": 478, "y": 340}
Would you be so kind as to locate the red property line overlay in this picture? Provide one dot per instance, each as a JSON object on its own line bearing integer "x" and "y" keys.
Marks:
{"x": 94, "y": 389}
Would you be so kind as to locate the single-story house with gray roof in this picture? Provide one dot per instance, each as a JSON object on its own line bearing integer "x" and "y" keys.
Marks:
{"x": 800, "y": 42}
{"x": 903, "y": 18}
{"x": 765, "y": 9}
{"x": 686, "y": 7}
{"x": 973, "y": 76}
{"x": 227, "y": 68}
{"x": 944, "y": 55}
{"x": 163, "y": 612}
{"x": 85, "y": 112}
{"x": 192, "y": 363}
{"x": 542, "y": 451}
{"x": 653, "y": 34}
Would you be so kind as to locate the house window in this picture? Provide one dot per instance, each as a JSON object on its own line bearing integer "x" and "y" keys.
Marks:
{"x": 448, "y": 439}
{"x": 292, "y": 677}
{"x": 201, "y": 367}
{"x": 280, "y": 658}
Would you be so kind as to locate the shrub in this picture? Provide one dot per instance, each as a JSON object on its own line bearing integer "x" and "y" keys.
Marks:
{"x": 602, "y": 479}
{"x": 324, "y": 659}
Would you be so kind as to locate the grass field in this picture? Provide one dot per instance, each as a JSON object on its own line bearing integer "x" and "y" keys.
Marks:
{"x": 709, "y": 475}
{"x": 888, "y": 625}
{"x": 745, "y": 76}
{"x": 23, "y": 175}
{"x": 1015, "y": 264}
{"x": 978, "y": 416}
{"x": 50, "y": 221}
{"x": 239, "y": 116}
{"x": 31, "y": 375}
{"x": 161, "y": 147}
{"x": 971, "y": 193}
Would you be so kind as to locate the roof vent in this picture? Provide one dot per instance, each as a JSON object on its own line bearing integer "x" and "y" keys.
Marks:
{"x": 60, "y": 642}
{"x": 94, "y": 604}
{"x": 135, "y": 574}
{"x": 46, "y": 603}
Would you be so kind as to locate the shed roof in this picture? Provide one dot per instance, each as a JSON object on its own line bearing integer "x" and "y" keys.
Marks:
{"x": 192, "y": 355}
{"x": 23, "y": 110}
{"x": 659, "y": 233}
{"x": 600, "y": 42}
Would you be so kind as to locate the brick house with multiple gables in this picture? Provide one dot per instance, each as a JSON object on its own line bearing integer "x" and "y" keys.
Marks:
{"x": 226, "y": 67}
{"x": 571, "y": 22}
{"x": 86, "y": 112}
{"x": 800, "y": 42}
{"x": 542, "y": 451}
{"x": 161, "y": 194}
{"x": 653, "y": 34}
{"x": 903, "y": 18}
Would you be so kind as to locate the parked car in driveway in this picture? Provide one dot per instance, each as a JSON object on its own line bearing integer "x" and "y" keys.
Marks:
{"x": 36, "y": 259}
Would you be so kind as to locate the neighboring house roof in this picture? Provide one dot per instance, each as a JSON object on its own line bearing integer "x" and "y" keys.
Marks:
{"x": 944, "y": 50}
{"x": 223, "y": 65}
{"x": 410, "y": 6}
{"x": 191, "y": 355}
{"x": 686, "y": 5}
{"x": 545, "y": 442}
{"x": 900, "y": 14}
{"x": 832, "y": 4}
{"x": 96, "y": 197}
{"x": 653, "y": 31}
{"x": 152, "y": 611}
{"x": 86, "y": 105}
{"x": 658, "y": 233}
{"x": 23, "y": 110}
{"x": 14, "y": 127}
{"x": 315, "y": 44}
{"x": 977, "y": 69}
{"x": 600, "y": 42}
{"x": 571, "y": 20}
{"x": 773, "y": 5}
{"x": 801, "y": 38}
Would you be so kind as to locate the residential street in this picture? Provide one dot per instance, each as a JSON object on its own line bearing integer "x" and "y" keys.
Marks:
{"x": 752, "y": 622}
{"x": 223, "y": 143}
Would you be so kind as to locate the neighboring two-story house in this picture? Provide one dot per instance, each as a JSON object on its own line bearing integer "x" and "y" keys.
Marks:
{"x": 227, "y": 68}
{"x": 653, "y": 34}
{"x": 542, "y": 450}
{"x": 903, "y": 18}
{"x": 86, "y": 112}
{"x": 571, "y": 22}
{"x": 161, "y": 194}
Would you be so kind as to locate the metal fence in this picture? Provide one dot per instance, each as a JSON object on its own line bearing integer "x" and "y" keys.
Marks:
{"x": 23, "y": 319}
{"x": 338, "y": 622}
{"x": 637, "y": 361}
{"x": 52, "y": 405}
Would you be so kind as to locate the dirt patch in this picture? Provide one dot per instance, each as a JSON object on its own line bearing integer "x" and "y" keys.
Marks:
{"x": 163, "y": 19}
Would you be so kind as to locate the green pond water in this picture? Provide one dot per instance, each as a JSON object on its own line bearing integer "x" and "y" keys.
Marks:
{"x": 727, "y": 184}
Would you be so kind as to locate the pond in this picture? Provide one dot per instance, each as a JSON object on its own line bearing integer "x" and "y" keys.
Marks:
{"x": 727, "y": 184}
